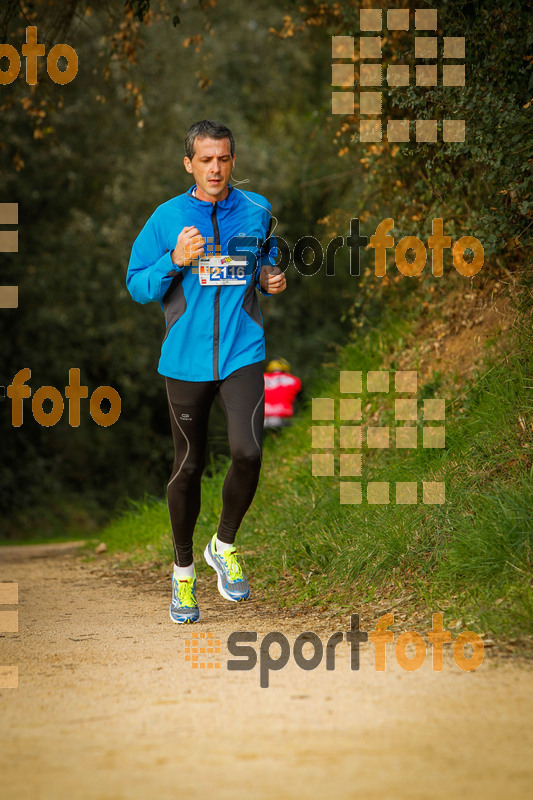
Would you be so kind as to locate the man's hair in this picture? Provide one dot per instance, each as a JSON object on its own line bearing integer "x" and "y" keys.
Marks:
{"x": 207, "y": 128}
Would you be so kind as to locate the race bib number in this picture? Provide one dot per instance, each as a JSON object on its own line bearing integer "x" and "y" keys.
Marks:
{"x": 222, "y": 271}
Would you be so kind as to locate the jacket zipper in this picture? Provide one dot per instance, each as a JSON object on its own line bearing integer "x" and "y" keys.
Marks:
{"x": 216, "y": 325}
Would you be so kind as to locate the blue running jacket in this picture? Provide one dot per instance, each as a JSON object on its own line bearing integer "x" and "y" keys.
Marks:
{"x": 210, "y": 330}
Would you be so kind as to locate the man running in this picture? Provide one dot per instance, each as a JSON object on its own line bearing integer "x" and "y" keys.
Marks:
{"x": 202, "y": 255}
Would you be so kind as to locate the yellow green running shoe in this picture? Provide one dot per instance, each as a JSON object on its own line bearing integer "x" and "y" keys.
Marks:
{"x": 183, "y": 606}
{"x": 231, "y": 582}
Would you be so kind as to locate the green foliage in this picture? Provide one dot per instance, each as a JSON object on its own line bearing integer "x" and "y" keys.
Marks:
{"x": 481, "y": 187}
{"x": 88, "y": 162}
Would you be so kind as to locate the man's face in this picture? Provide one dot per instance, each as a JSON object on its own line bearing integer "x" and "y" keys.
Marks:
{"x": 211, "y": 166}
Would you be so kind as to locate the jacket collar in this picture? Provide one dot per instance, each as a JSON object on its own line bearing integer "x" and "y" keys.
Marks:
{"x": 228, "y": 201}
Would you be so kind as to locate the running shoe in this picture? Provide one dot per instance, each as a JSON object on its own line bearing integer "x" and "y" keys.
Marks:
{"x": 183, "y": 606}
{"x": 231, "y": 582}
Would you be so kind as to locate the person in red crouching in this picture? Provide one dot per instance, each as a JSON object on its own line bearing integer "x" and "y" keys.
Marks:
{"x": 281, "y": 391}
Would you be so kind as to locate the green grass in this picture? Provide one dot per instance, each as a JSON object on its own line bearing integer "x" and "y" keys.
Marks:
{"x": 469, "y": 557}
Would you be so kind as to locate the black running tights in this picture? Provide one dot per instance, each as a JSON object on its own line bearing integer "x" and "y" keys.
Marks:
{"x": 242, "y": 398}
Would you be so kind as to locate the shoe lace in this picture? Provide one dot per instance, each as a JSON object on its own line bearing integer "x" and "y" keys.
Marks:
{"x": 185, "y": 592}
{"x": 232, "y": 563}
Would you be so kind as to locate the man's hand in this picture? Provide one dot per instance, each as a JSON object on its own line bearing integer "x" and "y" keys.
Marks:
{"x": 272, "y": 280}
{"x": 190, "y": 245}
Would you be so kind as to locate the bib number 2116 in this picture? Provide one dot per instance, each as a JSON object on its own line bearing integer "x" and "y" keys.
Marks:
{"x": 222, "y": 271}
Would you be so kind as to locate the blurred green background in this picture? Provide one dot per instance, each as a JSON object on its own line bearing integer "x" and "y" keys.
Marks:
{"x": 89, "y": 161}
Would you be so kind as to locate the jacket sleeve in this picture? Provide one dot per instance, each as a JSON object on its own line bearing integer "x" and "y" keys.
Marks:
{"x": 267, "y": 252}
{"x": 151, "y": 269}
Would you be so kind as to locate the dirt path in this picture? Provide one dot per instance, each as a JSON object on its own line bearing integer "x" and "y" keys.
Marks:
{"x": 107, "y": 708}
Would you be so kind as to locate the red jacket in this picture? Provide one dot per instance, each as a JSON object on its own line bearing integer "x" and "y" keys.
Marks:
{"x": 281, "y": 389}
